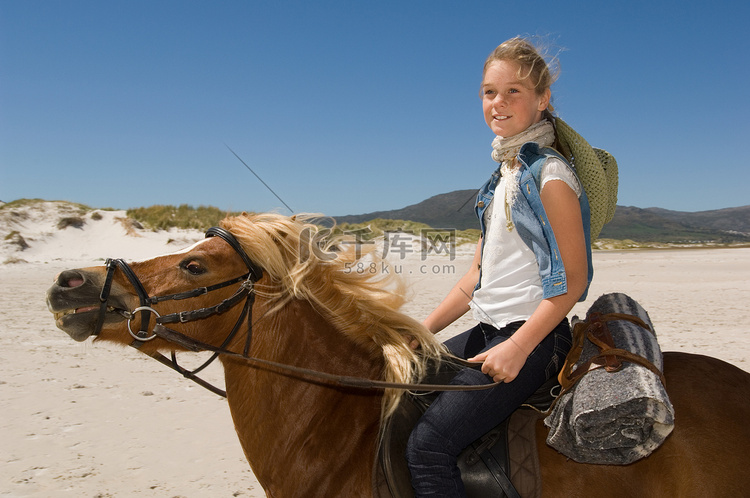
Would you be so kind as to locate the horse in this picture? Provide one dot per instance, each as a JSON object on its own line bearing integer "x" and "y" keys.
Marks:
{"x": 315, "y": 356}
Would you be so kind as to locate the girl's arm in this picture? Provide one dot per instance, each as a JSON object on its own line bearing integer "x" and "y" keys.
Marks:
{"x": 504, "y": 361}
{"x": 456, "y": 303}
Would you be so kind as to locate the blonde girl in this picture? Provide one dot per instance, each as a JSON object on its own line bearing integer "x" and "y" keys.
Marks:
{"x": 532, "y": 264}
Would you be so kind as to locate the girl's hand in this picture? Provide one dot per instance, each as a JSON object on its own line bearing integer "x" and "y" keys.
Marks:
{"x": 502, "y": 362}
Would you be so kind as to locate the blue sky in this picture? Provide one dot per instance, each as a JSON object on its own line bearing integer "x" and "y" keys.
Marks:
{"x": 347, "y": 107}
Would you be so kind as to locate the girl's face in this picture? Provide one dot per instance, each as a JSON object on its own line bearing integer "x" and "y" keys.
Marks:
{"x": 510, "y": 105}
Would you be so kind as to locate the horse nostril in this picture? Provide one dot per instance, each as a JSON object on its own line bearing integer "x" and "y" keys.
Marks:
{"x": 70, "y": 278}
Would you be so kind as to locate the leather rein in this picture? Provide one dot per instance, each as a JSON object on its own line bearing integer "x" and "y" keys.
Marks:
{"x": 246, "y": 293}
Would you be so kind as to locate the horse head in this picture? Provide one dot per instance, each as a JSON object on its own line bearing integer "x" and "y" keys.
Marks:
{"x": 116, "y": 302}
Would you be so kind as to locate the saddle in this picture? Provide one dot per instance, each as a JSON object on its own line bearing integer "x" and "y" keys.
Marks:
{"x": 502, "y": 463}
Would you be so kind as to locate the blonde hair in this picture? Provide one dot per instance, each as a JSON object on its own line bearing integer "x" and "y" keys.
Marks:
{"x": 532, "y": 65}
{"x": 304, "y": 262}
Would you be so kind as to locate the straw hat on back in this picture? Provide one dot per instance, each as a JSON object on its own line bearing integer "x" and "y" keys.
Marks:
{"x": 597, "y": 170}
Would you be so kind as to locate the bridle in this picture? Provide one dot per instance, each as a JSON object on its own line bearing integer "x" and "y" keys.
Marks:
{"x": 246, "y": 293}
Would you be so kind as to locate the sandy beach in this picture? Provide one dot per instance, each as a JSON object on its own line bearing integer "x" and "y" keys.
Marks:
{"x": 80, "y": 419}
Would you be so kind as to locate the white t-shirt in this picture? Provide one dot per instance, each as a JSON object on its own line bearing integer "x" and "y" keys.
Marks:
{"x": 511, "y": 288}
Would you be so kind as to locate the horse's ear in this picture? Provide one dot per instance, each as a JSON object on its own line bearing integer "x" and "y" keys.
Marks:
{"x": 279, "y": 237}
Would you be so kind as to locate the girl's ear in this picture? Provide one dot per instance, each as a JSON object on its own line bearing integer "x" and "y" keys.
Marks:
{"x": 544, "y": 100}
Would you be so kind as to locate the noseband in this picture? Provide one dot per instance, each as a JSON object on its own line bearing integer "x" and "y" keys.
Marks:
{"x": 244, "y": 292}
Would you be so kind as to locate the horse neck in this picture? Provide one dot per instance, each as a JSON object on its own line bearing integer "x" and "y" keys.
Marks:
{"x": 288, "y": 427}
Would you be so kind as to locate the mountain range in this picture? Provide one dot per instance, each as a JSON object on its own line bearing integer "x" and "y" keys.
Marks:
{"x": 456, "y": 210}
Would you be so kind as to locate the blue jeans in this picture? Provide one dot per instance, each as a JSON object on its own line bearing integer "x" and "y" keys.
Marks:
{"x": 458, "y": 418}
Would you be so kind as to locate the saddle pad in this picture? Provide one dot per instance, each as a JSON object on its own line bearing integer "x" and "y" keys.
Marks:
{"x": 525, "y": 473}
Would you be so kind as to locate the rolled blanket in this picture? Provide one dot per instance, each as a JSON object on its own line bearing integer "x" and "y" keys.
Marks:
{"x": 614, "y": 417}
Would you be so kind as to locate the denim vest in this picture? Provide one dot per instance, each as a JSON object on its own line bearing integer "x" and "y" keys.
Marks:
{"x": 531, "y": 221}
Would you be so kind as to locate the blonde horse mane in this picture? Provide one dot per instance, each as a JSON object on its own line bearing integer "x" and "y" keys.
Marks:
{"x": 305, "y": 262}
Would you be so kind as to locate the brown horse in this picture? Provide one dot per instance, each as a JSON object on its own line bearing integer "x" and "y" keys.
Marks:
{"x": 297, "y": 302}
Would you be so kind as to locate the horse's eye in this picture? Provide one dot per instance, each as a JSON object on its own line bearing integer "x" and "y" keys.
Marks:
{"x": 193, "y": 267}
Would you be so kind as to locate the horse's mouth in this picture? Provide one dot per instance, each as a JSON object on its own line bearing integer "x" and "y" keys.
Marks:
{"x": 75, "y": 302}
{"x": 60, "y": 314}
{"x": 80, "y": 323}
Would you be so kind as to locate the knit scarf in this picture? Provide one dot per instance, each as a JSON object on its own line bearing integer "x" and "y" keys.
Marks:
{"x": 505, "y": 151}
